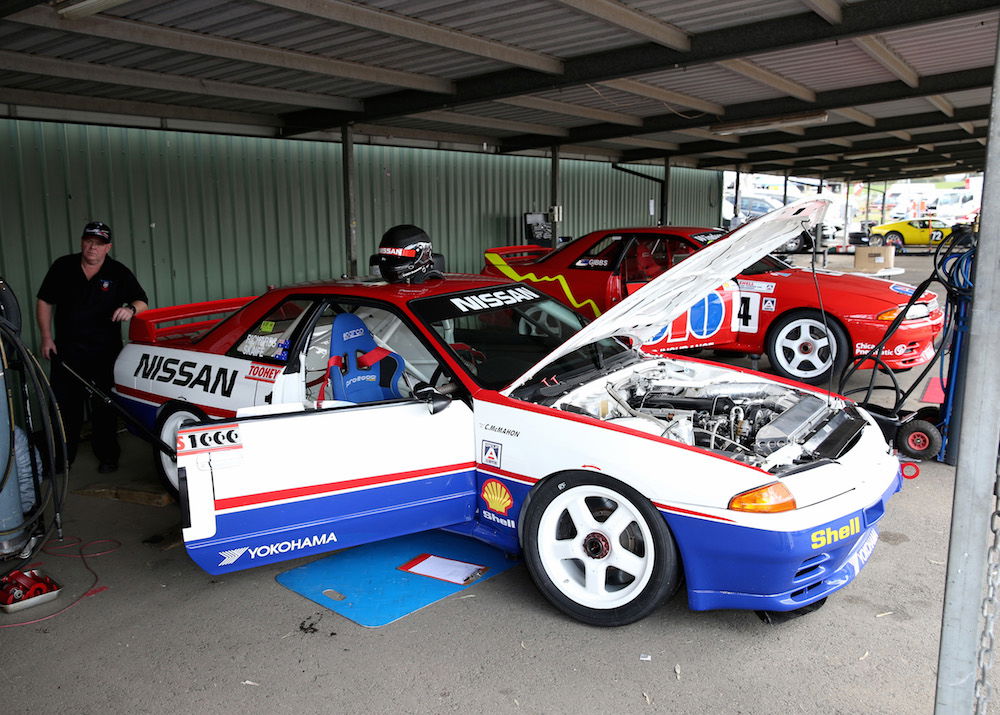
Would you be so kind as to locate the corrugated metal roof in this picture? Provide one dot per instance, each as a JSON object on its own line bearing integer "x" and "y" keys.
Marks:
{"x": 951, "y": 40}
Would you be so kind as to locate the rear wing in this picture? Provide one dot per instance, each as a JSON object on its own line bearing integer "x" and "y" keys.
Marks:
{"x": 519, "y": 254}
{"x": 161, "y": 324}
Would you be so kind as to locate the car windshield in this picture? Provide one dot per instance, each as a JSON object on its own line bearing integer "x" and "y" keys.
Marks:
{"x": 499, "y": 333}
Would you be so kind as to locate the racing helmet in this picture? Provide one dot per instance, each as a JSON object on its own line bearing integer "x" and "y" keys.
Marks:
{"x": 405, "y": 256}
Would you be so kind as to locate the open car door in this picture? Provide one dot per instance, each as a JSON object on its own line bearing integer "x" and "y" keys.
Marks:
{"x": 267, "y": 488}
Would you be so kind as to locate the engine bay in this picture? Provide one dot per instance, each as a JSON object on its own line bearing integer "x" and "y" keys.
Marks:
{"x": 765, "y": 424}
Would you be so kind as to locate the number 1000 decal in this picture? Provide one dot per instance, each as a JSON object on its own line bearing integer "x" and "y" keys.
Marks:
{"x": 209, "y": 439}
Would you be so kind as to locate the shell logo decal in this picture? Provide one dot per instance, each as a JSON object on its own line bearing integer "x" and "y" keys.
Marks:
{"x": 497, "y": 496}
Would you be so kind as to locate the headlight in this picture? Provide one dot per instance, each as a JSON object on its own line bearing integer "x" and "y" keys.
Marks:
{"x": 768, "y": 499}
{"x": 916, "y": 311}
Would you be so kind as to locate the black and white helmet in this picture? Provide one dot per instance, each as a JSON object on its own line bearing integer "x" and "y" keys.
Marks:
{"x": 405, "y": 256}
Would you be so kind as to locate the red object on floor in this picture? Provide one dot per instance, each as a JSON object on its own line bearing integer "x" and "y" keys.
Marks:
{"x": 20, "y": 586}
{"x": 934, "y": 391}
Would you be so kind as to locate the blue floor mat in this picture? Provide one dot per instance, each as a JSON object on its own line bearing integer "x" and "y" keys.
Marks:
{"x": 365, "y": 583}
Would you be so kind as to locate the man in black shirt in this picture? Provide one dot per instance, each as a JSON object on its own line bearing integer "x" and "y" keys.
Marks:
{"x": 92, "y": 294}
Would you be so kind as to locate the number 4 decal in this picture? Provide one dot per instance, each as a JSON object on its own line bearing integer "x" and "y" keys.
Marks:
{"x": 745, "y": 318}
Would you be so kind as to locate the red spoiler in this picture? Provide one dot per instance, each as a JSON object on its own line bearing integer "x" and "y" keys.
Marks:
{"x": 145, "y": 327}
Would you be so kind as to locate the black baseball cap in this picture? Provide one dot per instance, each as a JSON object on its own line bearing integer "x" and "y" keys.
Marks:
{"x": 97, "y": 229}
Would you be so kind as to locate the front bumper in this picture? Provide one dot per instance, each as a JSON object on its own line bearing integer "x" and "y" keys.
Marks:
{"x": 912, "y": 344}
{"x": 729, "y": 566}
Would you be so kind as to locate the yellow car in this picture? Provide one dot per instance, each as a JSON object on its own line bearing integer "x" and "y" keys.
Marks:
{"x": 915, "y": 232}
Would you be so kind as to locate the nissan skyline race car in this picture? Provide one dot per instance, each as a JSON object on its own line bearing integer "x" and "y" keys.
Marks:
{"x": 485, "y": 407}
{"x": 810, "y": 324}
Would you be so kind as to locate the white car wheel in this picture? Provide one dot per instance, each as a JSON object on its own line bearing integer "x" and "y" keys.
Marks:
{"x": 799, "y": 347}
{"x": 170, "y": 420}
{"x": 599, "y": 550}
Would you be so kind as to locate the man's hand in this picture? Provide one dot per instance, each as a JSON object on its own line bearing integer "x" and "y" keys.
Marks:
{"x": 122, "y": 314}
{"x": 48, "y": 348}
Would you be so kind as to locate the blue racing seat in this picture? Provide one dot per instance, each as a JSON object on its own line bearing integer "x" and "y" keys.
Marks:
{"x": 358, "y": 369}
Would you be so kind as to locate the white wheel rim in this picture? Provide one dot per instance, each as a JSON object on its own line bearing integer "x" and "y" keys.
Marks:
{"x": 605, "y": 564}
{"x": 168, "y": 434}
{"x": 805, "y": 349}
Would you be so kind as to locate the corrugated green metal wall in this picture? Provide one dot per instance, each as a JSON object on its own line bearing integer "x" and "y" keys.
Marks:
{"x": 199, "y": 217}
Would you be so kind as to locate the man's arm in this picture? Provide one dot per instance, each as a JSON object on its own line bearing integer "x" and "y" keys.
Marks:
{"x": 43, "y": 316}
{"x": 126, "y": 312}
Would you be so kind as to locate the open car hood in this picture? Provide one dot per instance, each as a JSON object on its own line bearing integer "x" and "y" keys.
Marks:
{"x": 644, "y": 313}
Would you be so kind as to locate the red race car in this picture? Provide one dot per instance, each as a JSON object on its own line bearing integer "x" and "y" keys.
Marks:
{"x": 808, "y": 324}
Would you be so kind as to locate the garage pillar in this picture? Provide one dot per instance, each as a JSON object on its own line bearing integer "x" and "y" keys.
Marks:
{"x": 959, "y": 687}
{"x": 350, "y": 201}
{"x": 665, "y": 193}
{"x": 555, "y": 209}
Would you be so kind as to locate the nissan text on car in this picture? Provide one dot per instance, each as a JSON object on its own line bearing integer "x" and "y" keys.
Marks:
{"x": 484, "y": 407}
{"x": 810, "y": 324}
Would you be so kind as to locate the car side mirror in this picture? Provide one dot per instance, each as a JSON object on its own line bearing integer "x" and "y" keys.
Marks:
{"x": 435, "y": 400}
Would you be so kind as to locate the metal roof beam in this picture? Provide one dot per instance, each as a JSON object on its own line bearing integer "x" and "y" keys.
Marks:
{"x": 83, "y": 8}
{"x": 91, "y": 72}
{"x": 942, "y": 104}
{"x": 144, "y": 33}
{"x": 833, "y": 133}
{"x": 651, "y": 91}
{"x": 766, "y": 77}
{"x": 573, "y": 110}
{"x": 11, "y": 7}
{"x": 392, "y": 23}
{"x": 966, "y": 150}
{"x": 474, "y": 120}
{"x": 640, "y": 23}
{"x": 829, "y": 10}
{"x": 862, "y": 146}
{"x": 772, "y": 108}
{"x": 103, "y": 105}
{"x": 876, "y": 48}
{"x": 860, "y": 18}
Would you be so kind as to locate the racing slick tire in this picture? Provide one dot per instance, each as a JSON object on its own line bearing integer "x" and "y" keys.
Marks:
{"x": 799, "y": 348}
{"x": 172, "y": 417}
{"x": 918, "y": 439}
{"x": 598, "y": 550}
{"x": 877, "y": 239}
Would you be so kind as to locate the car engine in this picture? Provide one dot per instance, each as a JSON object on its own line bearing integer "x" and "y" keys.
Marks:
{"x": 766, "y": 424}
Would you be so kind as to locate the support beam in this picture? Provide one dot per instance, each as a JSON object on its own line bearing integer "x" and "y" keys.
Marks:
{"x": 856, "y": 115}
{"x": 831, "y": 133}
{"x": 640, "y": 23}
{"x": 410, "y": 28}
{"x": 474, "y": 120}
{"x": 144, "y": 33}
{"x": 771, "y": 79}
{"x": 832, "y": 100}
{"x": 875, "y": 146}
{"x": 573, "y": 110}
{"x": 554, "y": 193}
{"x": 123, "y": 76}
{"x": 829, "y": 10}
{"x": 958, "y": 676}
{"x": 859, "y": 18}
{"x": 350, "y": 200}
{"x": 942, "y": 104}
{"x": 876, "y": 48}
{"x": 644, "y": 89}
{"x": 651, "y": 143}
{"x": 84, "y": 8}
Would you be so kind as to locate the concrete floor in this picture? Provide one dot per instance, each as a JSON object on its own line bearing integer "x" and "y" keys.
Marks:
{"x": 166, "y": 637}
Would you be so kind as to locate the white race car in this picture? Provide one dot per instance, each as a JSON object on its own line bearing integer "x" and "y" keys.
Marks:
{"x": 490, "y": 410}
